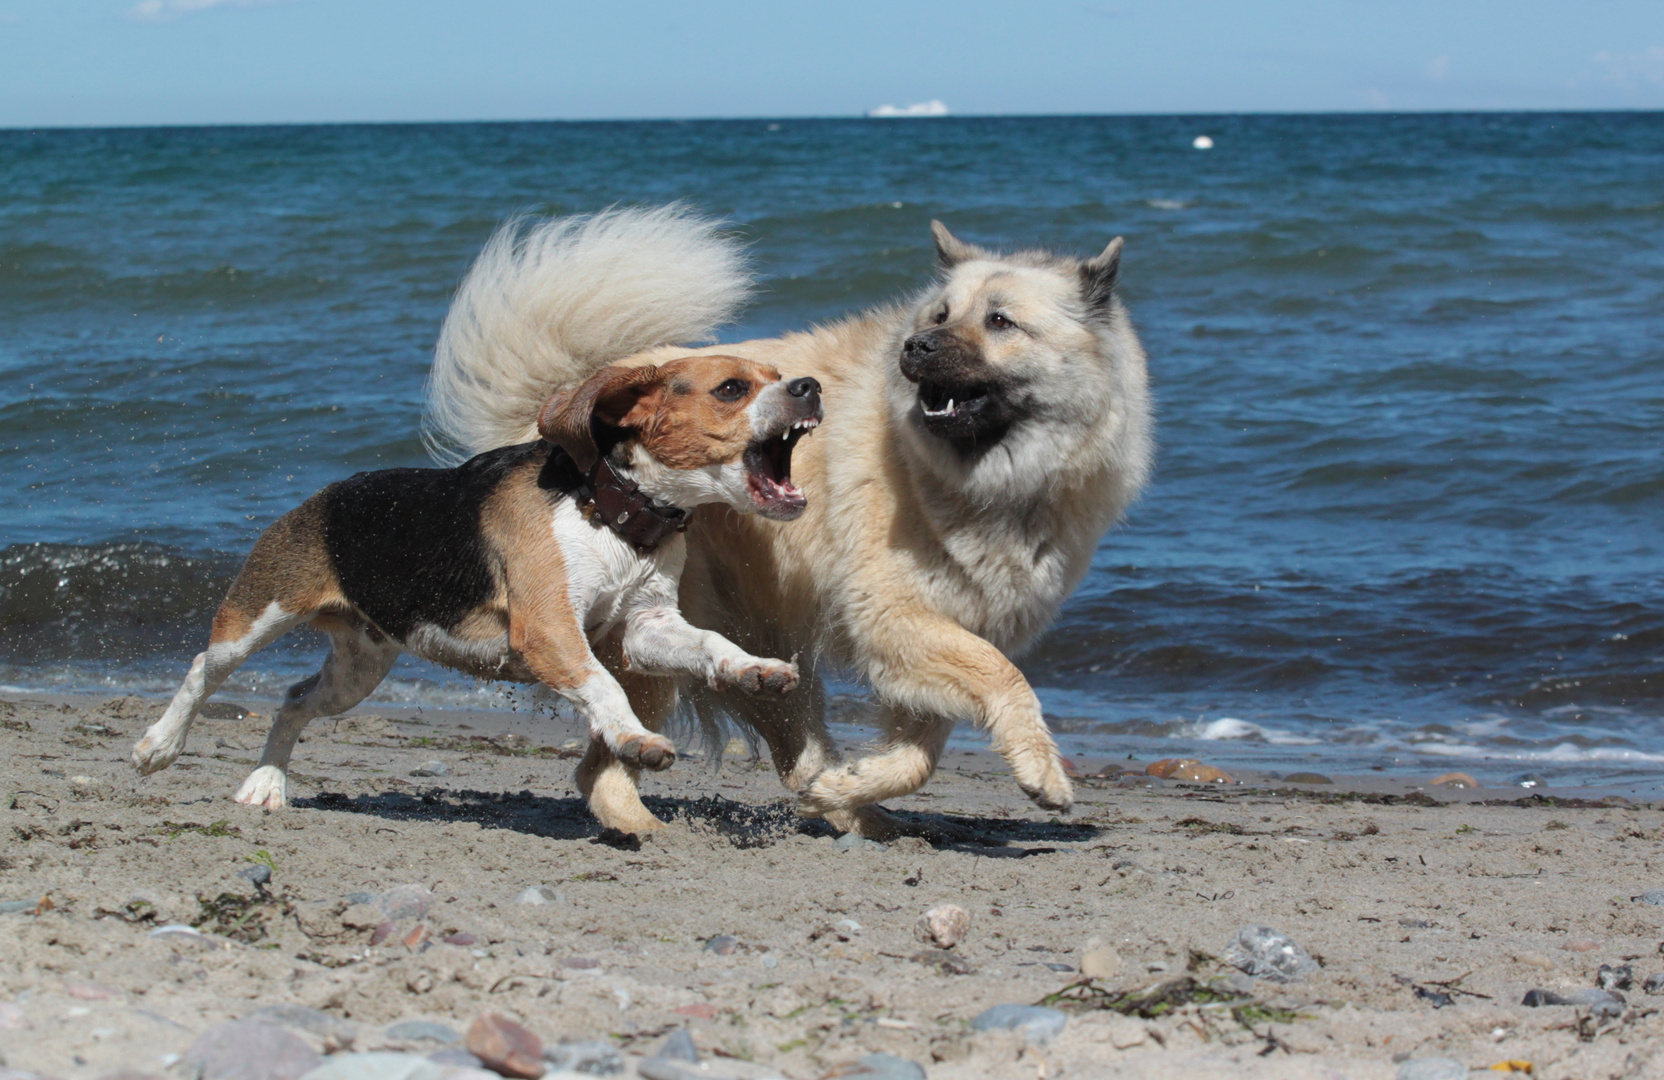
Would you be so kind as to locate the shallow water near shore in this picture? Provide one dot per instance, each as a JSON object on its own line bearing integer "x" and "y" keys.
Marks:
{"x": 1409, "y": 370}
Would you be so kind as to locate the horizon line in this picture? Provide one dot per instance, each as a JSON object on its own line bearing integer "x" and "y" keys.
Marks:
{"x": 820, "y": 117}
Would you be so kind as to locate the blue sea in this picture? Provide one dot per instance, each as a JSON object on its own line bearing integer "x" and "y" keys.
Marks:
{"x": 1409, "y": 509}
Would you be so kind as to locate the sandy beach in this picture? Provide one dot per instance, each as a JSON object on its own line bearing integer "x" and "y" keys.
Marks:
{"x": 399, "y": 892}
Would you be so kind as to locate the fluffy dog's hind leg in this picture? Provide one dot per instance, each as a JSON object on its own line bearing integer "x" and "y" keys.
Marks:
{"x": 238, "y": 634}
{"x": 793, "y": 728}
{"x": 843, "y": 795}
{"x": 359, "y": 658}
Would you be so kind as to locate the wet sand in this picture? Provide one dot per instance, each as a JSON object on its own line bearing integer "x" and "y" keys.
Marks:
{"x": 1403, "y": 895}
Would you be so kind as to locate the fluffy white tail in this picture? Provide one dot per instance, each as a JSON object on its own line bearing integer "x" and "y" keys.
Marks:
{"x": 548, "y": 303}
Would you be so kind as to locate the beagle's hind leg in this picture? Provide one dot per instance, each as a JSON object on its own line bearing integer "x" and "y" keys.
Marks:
{"x": 238, "y": 634}
{"x": 359, "y": 658}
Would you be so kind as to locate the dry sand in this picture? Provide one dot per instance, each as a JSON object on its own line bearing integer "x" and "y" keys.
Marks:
{"x": 1389, "y": 892}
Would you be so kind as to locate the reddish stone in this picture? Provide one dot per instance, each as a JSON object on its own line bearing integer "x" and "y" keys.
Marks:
{"x": 1168, "y": 766}
{"x": 1197, "y": 773}
{"x": 702, "y": 1011}
{"x": 505, "y": 1047}
{"x": 417, "y": 935}
{"x": 460, "y": 939}
{"x": 383, "y": 932}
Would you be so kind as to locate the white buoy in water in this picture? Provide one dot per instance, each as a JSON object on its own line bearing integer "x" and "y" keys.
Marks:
{"x": 1202, "y": 142}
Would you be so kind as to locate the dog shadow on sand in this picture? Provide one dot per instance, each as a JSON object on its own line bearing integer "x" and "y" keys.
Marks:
{"x": 743, "y": 825}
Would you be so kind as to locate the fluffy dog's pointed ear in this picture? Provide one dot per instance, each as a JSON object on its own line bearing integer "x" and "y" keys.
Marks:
{"x": 1098, "y": 275}
{"x": 588, "y": 419}
{"x": 950, "y": 250}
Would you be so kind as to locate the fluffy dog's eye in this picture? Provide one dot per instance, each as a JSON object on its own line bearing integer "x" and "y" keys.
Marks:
{"x": 941, "y": 317}
{"x": 732, "y": 390}
{"x": 997, "y": 321}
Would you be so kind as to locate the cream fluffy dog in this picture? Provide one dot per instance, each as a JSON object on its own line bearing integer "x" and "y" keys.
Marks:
{"x": 979, "y": 440}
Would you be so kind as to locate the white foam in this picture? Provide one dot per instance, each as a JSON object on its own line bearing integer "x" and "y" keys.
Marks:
{"x": 1229, "y": 727}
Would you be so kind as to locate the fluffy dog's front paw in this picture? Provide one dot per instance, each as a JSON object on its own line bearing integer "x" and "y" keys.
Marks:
{"x": 653, "y": 752}
{"x": 153, "y": 754}
{"x": 756, "y": 675}
{"x": 1050, "y": 788}
{"x": 265, "y": 786}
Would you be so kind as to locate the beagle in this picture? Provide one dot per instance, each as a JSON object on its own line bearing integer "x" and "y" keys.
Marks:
{"x": 511, "y": 564}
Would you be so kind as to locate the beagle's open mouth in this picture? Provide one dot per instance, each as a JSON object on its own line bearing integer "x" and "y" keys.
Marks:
{"x": 768, "y": 472}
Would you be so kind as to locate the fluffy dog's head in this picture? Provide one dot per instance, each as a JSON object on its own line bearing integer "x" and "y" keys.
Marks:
{"x": 1025, "y": 354}
{"x": 696, "y": 430}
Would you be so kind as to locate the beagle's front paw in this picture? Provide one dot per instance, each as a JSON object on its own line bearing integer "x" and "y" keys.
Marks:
{"x": 653, "y": 752}
{"x": 156, "y": 751}
{"x": 754, "y": 675}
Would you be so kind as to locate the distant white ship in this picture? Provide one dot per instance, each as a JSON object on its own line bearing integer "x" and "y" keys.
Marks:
{"x": 923, "y": 108}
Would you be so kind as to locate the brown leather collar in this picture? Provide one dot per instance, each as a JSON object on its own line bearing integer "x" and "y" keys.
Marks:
{"x": 617, "y": 503}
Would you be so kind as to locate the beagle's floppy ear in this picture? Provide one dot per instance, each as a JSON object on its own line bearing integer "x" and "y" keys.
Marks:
{"x": 588, "y": 419}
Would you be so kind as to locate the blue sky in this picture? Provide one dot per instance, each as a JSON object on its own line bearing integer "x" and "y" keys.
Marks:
{"x": 79, "y": 62}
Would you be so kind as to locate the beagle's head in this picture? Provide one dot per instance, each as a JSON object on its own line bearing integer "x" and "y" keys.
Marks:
{"x": 699, "y": 429}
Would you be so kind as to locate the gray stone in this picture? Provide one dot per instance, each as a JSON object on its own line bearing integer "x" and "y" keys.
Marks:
{"x": 380, "y": 1065}
{"x": 17, "y": 907}
{"x": 1267, "y": 953}
{"x": 454, "y": 1057}
{"x": 423, "y": 1031}
{"x": 881, "y": 1067}
{"x": 336, "y": 1033}
{"x": 537, "y": 895}
{"x": 1235, "y": 982}
{"x": 260, "y": 875}
{"x": 1037, "y": 1023}
{"x": 361, "y": 898}
{"x": 851, "y": 842}
{"x": 1432, "y": 1068}
{"x": 1655, "y": 897}
{"x": 431, "y": 768}
{"x": 1598, "y": 1002}
{"x": 1619, "y": 977}
{"x": 587, "y": 1058}
{"x": 723, "y": 945}
{"x": 248, "y": 1050}
{"x": 1654, "y": 983}
{"x": 679, "y": 1047}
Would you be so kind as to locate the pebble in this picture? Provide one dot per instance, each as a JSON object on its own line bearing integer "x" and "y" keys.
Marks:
{"x": 1621, "y": 977}
{"x": 588, "y": 1057}
{"x": 1530, "y": 780}
{"x": 380, "y": 1065}
{"x": 1262, "y": 951}
{"x": 1599, "y": 1002}
{"x": 1126, "y": 1033}
{"x": 431, "y": 768}
{"x": 1307, "y": 778}
{"x": 422, "y": 1031}
{"x": 337, "y": 1034}
{"x": 1581, "y": 945}
{"x": 404, "y": 902}
{"x": 1655, "y": 897}
{"x": 945, "y": 962}
{"x": 679, "y": 1047}
{"x": 1036, "y": 1022}
{"x": 248, "y": 1050}
{"x": 1168, "y": 766}
{"x": 943, "y": 926}
{"x": 1653, "y": 985}
{"x": 1454, "y": 780}
{"x": 505, "y": 1047}
{"x": 91, "y": 991}
{"x": 536, "y": 895}
{"x": 723, "y": 945}
{"x": 851, "y": 842}
{"x": 1432, "y": 1068}
{"x": 879, "y": 1067}
{"x": 1198, "y": 773}
{"x": 259, "y": 874}
{"x": 1100, "y": 960}
{"x": 17, "y": 907}
{"x": 455, "y": 1057}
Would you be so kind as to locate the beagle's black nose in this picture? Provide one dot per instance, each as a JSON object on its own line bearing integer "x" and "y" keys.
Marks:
{"x": 802, "y": 387}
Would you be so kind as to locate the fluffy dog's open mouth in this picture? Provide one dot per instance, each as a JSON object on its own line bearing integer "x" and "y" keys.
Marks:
{"x": 957, "y": 411}
{"x": 768, "y": 472}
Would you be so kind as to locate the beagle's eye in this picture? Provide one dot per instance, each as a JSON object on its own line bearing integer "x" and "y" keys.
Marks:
{"x": 732, "y": 390}
{"x": 997, "y": 321}
{"x": 941, "y": 317}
